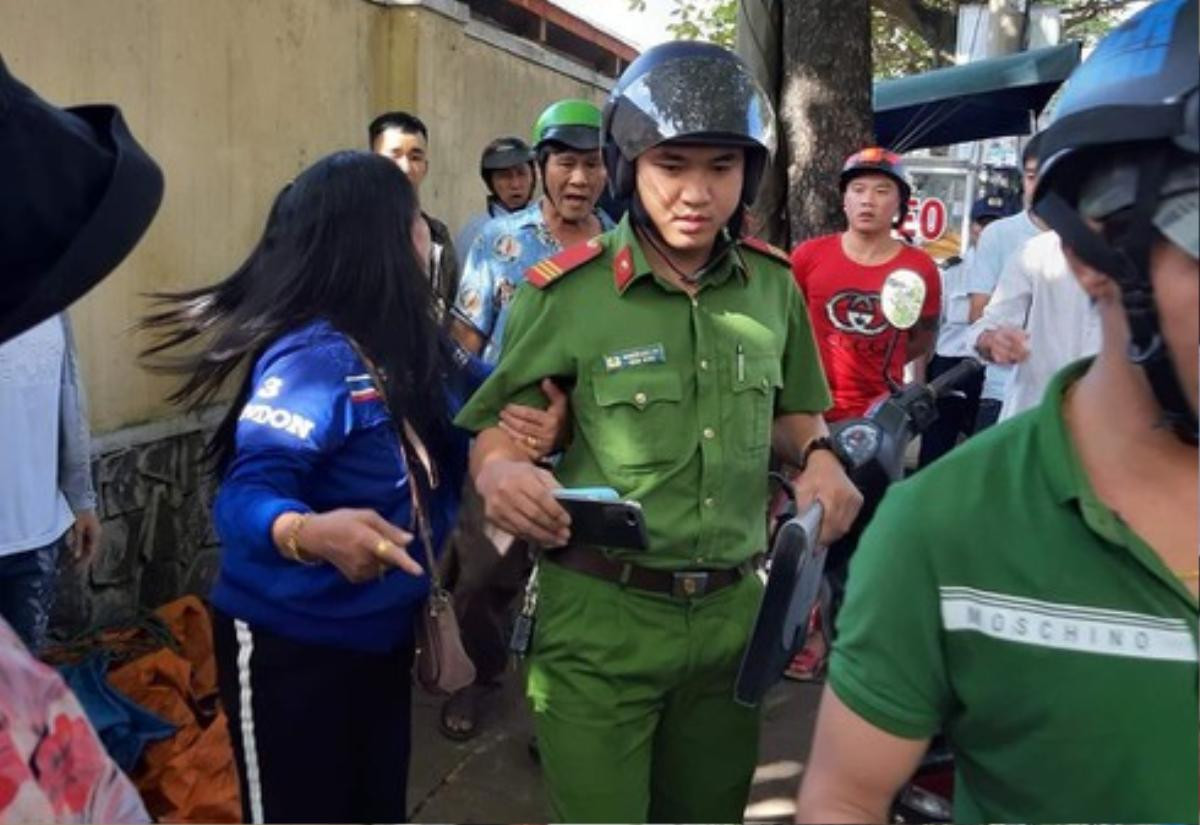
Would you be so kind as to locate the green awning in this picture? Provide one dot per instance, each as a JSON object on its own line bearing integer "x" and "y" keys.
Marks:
{"x": 982, "y": 99}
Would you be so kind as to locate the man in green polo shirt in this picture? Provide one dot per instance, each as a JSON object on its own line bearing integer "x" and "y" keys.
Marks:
{"x": 1047, "y": 622}
{"x": 688, "y": 354}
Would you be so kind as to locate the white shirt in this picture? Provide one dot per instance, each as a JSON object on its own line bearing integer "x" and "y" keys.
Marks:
{"x": 33, "y": 510}
{"x": 1038, "y": 292}
{"x": 998, "y": 241}
{"x": 956, "y": 306}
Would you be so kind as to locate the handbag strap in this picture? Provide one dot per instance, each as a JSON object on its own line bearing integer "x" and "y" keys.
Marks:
{"x": 410, "y": 445}
{"x": 414, "y": 484}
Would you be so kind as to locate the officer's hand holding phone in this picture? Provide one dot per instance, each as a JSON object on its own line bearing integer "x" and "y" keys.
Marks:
{"x": 519, "y": 498}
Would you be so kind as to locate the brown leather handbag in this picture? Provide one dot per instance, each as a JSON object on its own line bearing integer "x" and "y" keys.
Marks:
{"x": 442, "y": 664}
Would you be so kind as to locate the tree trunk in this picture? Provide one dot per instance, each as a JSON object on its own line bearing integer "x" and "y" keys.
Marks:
{"x": 759, "y": 36}
{"x": 825, "y": 106}
{"x": 819, "y": 73}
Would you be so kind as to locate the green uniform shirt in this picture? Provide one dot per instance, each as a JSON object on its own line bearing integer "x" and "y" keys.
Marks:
{"x": 671, "y": 398}
{"x": 996, "y": 598}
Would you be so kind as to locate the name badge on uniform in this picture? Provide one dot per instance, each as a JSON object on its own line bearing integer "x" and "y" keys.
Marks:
{"x": 636, "y": 357}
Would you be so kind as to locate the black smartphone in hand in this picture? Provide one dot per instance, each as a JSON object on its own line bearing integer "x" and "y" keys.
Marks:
{"x": 600, "y": 517}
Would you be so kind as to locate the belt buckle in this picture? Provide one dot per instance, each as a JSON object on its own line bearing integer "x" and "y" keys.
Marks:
{"x": 689, "y": 584}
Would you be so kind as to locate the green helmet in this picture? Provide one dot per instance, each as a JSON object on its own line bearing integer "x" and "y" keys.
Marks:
{"x": 573, "y": 123}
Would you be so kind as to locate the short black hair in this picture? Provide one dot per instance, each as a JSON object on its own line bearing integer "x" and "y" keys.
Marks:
{"x": 1032, "y": 149}
{"x": 406, "y": 123}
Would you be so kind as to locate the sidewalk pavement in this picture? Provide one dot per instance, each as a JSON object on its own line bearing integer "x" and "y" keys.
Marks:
{"x": 492, "y": 778}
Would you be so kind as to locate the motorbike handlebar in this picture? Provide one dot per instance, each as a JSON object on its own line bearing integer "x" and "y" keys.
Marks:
{"x": 793, "y": 586}
{"x": 951, "y": 377}
{"x": 812, "y": 516}
{"x": 811, "y": 519}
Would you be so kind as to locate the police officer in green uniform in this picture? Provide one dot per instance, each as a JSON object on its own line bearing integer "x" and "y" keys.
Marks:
{"x": 688, "y": 355}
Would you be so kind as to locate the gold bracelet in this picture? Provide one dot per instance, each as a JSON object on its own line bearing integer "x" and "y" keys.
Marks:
{"x": 292, "y": 542}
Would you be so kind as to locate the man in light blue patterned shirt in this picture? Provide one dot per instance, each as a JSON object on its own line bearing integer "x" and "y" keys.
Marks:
{"x": 567, "y": 142}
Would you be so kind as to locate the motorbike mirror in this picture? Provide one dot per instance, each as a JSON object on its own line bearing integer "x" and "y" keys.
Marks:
{"x": 902, "y": 297}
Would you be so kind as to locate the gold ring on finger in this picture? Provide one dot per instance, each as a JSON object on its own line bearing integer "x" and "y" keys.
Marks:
{"x": 531, "y": 440}
{"x": 381, "y": 547}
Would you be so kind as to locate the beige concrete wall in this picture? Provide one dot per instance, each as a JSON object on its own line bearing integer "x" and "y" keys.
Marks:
{"x": 233, "y": 97}
{"x": 470, "y": 92}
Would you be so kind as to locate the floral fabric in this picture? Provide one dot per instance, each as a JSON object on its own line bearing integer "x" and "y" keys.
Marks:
{"x": 52, "y": 765}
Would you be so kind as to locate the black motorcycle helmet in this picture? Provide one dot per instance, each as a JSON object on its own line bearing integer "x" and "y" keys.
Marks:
{"x": 686, "y": 91}
{"x": 505, "y": 153}
{"x": 1125, "y": 140}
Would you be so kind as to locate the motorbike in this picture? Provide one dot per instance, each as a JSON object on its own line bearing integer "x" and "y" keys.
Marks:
{"x": 805, "y": 579}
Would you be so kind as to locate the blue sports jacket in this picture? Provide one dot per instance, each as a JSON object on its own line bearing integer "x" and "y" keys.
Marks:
{"x": 315, "y": 436}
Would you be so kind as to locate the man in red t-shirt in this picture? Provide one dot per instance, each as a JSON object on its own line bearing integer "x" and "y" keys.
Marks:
{"x": 842, "y": 274}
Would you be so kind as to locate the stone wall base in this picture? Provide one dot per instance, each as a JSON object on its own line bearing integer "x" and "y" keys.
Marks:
{"x": 154, "y": 501}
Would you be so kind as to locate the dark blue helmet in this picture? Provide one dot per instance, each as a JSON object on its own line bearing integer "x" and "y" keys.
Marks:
{"x": 992, "y": 207}
{"x": 1125, "y": 141}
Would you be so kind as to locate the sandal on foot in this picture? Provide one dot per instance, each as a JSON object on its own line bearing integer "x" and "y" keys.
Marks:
{"x": 465, "y": 708}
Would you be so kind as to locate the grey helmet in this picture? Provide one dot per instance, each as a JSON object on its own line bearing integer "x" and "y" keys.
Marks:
{"x": 505, "y": 153}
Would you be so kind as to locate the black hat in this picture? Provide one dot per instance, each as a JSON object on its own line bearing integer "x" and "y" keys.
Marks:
{"x": 991, "y": 207}
{"x": 78, "y": 192}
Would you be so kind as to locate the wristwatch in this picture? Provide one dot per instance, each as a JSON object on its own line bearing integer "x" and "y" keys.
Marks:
{"x": 822, "y": 442}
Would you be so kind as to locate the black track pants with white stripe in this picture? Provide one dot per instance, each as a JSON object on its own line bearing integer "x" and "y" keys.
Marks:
{"x": 320, "y": 734}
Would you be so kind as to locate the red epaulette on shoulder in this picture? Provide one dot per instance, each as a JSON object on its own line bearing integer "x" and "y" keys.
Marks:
{"x": 764, "y": 248}
{"x": 546, "y": 272}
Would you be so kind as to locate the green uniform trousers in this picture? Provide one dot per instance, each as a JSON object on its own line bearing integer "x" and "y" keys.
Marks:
{"x": 632, "y": 694}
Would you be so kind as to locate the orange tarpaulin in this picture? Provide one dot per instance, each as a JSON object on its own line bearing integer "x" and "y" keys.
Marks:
{"x": 189, "y": 777}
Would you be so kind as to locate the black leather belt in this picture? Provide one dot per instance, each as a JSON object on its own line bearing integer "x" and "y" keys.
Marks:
{"x": 681, "y": 584}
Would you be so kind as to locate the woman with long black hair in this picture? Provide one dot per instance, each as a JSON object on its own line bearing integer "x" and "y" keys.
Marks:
{"x": 320, "y": 580}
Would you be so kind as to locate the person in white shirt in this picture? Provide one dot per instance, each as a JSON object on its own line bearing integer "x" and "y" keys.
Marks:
{"x": 957, "y": 410}
{"x": 46, "y": 495}
{"x": 996, "y": 243}
{"x": 1038, "y": 319}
